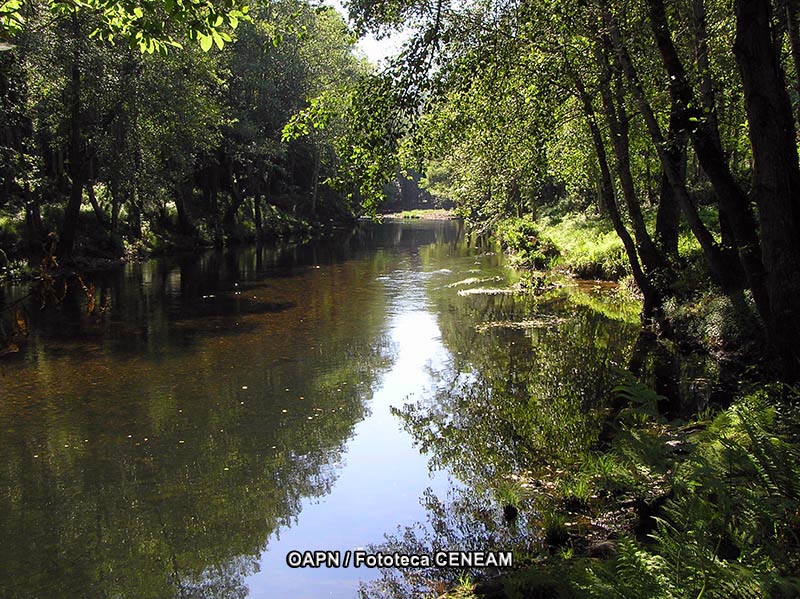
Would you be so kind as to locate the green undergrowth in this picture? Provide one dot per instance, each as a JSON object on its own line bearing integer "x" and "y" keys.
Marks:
{"x": 423, "y": 214}
{"x": 586, "y": 247}
{"x": 583, "y": 245}
{"x": 673, "y": 509}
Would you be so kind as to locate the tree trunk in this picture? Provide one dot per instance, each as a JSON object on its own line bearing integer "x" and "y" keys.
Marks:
{"x": 116, "y": 203}
{"x": 98, "y": 211}
{"x": 617, "y": 120}
{"x": 33, "y": 222}
{"x": 183, "y": 198}
{"x": 668, "y": 215}
{"x": 610, "y": 202}
{"x": 720, "y": 267}
{"x": 76, "y": 166}
{"x": 315, "y": 179}
{"x": 257, "y": 216}
{"x": 776, "y": 175}
{"x": 705, "y": 140}
{"x": 229, "y": 218}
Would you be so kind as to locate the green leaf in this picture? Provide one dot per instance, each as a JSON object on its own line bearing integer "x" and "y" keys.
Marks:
{"x": 205, "y": 42}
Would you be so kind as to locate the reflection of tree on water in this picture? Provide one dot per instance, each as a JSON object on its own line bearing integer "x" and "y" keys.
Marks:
{"x": 514, "y": 410}
{"x": 183, "y": 508}
{"x": 466, "y": 521}
{"x": 512, "y": 398}
{"x": 164, "y": 472}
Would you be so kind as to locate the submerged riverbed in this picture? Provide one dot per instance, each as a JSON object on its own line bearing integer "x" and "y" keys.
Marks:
{"x": 233, "y": 406}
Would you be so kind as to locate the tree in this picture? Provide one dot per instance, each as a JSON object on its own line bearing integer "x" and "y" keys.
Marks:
{"x": 149, "y": 25}
{"x": 671, "y": 117}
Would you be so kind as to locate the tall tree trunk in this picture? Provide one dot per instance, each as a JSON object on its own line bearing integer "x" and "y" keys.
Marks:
{"x": 257, "y": 216}
{"x": 617, "y": 120}
{"x": 183, "y": 198}
{"x": 315, "y": 179}
{"x": 720, "y": 267}
{"x": 668, "y": 214}
{"x": 610, "y": 202}
{"x": 705, "y": 141}
{"x": 33, "y": 222}
{"x": 776, "y": 175}
{"x": 98, "y": 211}
{"x": 229, "y": 218}
{"x": 116, "y": 203}
{"x": 76, "y": 166}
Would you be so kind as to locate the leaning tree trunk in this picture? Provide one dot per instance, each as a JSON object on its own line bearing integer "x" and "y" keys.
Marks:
{"x": 610, "y": 202}
{"x": 716, "y": 259}
{"x": 617, "y": 120}
{"x": 705, "y": 141}
{"x": 776, "y": 175}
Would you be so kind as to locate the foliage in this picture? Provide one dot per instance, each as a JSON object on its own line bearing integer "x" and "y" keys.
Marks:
{"x": 172, "y": 149}
{"x": 149, "y": 25}
{"x": 521, "y": 238}
{"x": 730, "y": 528}
{"x": 635, "y": 112}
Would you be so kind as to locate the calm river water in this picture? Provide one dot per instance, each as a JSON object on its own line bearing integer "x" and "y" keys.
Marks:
{"x": 236, "y": 405}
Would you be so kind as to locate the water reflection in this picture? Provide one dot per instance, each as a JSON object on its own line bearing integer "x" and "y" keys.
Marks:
{"x": 154, "y": 452}
{"x": 524, "y": 397}
{"x": 237, "y": 404}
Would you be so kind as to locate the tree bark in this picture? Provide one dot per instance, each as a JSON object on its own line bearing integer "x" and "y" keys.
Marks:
{"x": 720, "y": 267}
{"x": 668, "y": 214}
{"x": 776, "y": 175}
{"x": 76, "y": 166}
{"x": 617, "y": 120}
{"x": 610, "y": 202}
{"x": 707, "y": 147}
{"x": 98, "y": 211}
{"x": 182, "y": 201}
{"x": 229, "y": 218}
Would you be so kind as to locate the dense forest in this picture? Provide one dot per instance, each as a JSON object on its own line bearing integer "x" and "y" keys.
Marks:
{"x": 146, "y": 138}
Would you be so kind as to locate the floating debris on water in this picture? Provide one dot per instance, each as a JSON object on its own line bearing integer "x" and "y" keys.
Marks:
{"x": 488, "y": 291}
{"x": 475, "y": 281}
{"x": 545, "y": 320}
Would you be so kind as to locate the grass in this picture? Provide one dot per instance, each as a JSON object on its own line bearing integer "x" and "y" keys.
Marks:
{"x": 420, "y": 214}
{"x": 586, "y": 247}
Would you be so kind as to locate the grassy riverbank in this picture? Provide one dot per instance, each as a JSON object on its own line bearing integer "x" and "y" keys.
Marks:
{"x": 666, "y": 503}
{"x": 420, "y": 214}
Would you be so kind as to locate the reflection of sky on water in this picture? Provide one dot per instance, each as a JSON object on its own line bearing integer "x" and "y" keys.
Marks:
{"x": 217, "y": 411}
{"x": 382, "y": 476}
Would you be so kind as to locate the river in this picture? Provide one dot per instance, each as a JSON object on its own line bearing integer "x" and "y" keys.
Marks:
{"x": 231, "y": 406}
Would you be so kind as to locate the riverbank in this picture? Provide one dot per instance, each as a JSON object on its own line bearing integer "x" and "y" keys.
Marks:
{"x": 707, "y": 507}
{"x": 97, "y": 248}
{"x": 665, "y": 503}
{"x": 427, "y": 214}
